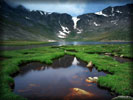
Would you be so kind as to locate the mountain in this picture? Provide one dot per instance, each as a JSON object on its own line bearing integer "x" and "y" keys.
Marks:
{"x": 19, "y": 23}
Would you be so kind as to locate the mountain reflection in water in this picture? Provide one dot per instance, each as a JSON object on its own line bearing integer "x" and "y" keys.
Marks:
{"x": 38, "y": 81}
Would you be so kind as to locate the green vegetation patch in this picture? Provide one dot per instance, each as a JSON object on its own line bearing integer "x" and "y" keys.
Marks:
{"x": 18, "y": 43}
{"x": 119, "y": 79}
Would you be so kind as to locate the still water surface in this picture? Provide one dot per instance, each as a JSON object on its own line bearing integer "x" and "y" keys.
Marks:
{"x": 58, "y": 44}
{"x": 38, "y": 81}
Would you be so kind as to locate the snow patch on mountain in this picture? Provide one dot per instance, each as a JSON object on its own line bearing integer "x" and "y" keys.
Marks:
{"x": 65, "y": 29}
{"x": 61, "y": 35}
{"x": 41, "y": 13}
{"x": 118, "y": 11}
{"x": 27, "y": 18}
{"x": 51, "y": 40}
{"x": 96, "y": 24}
{"x": 44, "y": 13}
{"x": 101, "y": 13}
{"x": 114, "y": 22}
{"x": 112, "y": 10}
{"x": 75, "y": 20}
{"x": 79, "y": 31}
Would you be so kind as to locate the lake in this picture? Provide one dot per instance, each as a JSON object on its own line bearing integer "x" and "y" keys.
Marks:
{"x": 58, "y": 44}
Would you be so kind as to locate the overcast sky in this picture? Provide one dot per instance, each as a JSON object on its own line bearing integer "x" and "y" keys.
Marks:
{"x": 73, "y": 8}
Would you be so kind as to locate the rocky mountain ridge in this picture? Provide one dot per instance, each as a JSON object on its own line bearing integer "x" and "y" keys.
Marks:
{"x": 112, "y": 23}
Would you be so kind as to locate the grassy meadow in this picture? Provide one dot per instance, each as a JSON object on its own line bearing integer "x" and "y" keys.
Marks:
{"x": 20, "y": 43}
{"x": 119, "y": 80}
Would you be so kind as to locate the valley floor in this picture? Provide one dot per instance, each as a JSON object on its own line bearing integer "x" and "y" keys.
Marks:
{"x": 20, "y": 43}
{"x": 119, "y": 79}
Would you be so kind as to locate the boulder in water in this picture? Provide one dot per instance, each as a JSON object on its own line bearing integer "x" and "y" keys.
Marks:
{"x": 90, "y": 64}
{"x": 123, "y": 98}
{"x": 78, "y": 94}
{"x": 92, "y": 79}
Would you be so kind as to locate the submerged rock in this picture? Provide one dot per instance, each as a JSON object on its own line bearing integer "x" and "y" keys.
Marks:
{"x": 123, "y": 98}
{"x": 77, "y": 93}
{"x": 34, "y": 85}
{"x": 92, "y": 79}
{"x": 88, "y": 81}
{"x": 90, "y": 64}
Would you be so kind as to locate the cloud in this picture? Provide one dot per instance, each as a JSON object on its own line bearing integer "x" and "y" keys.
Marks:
{"x": 71, "y": 8}
{"x": 72, "y": 1}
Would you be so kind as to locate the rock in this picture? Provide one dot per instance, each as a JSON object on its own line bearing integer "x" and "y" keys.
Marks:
{"x": 92, "y": 79}
{"x": 90, "y": 64}
{"x": 107, "y": 53}
{"x": 123, "y": 98}
{"x": 78, "y": 94}
{"x": 121, "y": 56}
{"x": 116, "y": 55}
{"x": 95, "y": 79}
{"x": 88, "y": 81}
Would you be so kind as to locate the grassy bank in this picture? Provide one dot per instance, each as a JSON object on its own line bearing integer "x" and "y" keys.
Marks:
{"x": 119, "y": 81}
{"x": 17, "y": 43}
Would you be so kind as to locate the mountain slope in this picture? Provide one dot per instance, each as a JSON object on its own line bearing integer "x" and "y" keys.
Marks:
{"x": 113, "y": 23}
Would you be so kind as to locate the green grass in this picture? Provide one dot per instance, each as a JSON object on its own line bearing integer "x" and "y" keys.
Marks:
{"x": 119, "y": 81}
{"x": 18, "y": 43}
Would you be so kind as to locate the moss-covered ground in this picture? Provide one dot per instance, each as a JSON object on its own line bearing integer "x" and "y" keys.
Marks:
{"x": 18, "y": 43}
{"x": 119, "y": 81}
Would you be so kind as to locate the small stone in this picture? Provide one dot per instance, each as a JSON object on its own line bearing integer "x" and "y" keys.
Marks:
{"x": 90, "y": 64}
{"x": 123, "y": 98}
{"x": 107, "y": 53}
{"x": 95, "y": 79}
{"x": 121, "y": 56}
{"x": 90, "y": 78}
